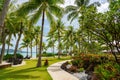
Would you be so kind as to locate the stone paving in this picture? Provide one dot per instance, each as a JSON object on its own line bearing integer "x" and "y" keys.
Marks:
{"x": 57, "y": 73}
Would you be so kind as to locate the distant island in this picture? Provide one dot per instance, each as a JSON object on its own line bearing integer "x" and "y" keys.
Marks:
{"x": 18, "y": 51}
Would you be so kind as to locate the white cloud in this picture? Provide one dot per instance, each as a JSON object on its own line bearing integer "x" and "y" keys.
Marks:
{"x": 21, "y": 1}
{"x": 103, "y": 7}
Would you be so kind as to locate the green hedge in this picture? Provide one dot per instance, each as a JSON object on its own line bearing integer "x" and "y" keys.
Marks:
{"x": 10, "y": 56}
{"x": 48, "y": 55}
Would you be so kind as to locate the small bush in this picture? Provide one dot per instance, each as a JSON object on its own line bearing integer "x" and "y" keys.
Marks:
{"x": 107, "y": 70}
{"x": 46, "y": 63}
{"x": 48, "y": 55}
{"x": 10, "y": 58}
{"x": 19, "y": 56}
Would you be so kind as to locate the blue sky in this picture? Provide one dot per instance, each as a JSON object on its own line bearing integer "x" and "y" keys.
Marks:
{"x": 102, "y": 8}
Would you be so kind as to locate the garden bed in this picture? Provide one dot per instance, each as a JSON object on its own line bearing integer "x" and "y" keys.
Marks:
{"x": 93, "y": 67}
{"x": 5, "y": 65}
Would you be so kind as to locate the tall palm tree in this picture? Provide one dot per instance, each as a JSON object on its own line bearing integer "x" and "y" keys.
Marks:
{"x": 51, "y": 39}
{"x": 10, "y": 22}
{"x": 8, "y": 43}
{"x": 69, "y": 37}
{"x": 25, "y": 44}
{"x": 36, "y": 37}
{"x": 6, "y": 29}
{"x": 31, "y": 36}
{"x": 42, "y": 8}
{"x": 58, "y": 31}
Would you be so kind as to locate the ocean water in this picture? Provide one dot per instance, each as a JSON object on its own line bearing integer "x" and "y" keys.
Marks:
{"x": 24, "y": 54}
{"x": 33, "y": 54}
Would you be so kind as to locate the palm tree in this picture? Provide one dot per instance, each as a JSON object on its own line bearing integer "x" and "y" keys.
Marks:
{"x": 58, "y": 31}
{"x": 69, "y": 37}
{"x": 8, "y": 43}
{"x": 51, "y": 39}
{"x": 31, "y": 36}
{"x": 36, "y": 37}
{"x": 42, "y": 8}
{"x": 6, "y": 29}
{"x": 75, "y": 11}
{"x": 25, "y": 44}
{"x": 10, "y": 22}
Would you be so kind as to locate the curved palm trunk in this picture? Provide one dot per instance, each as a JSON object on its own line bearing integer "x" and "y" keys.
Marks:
{"x": 2, "y": 51}
{"x": 59, "y": 52}
{"x": 53, "y": 47}
{"x": 17, "y": 43}
{"x": 3, "y": 46}
{"x": 3, "y": 15}
{"x": 8, "y": 49}
{"x": 39, "y": 63}
{"x": 8, "y": 44}
{"x": 36, "y": 48}
{"x": 27, "y": 52}
{"x": 31, "y": 49}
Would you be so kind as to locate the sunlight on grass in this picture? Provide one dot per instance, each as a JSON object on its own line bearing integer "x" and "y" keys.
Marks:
{"x": 29, "y": 71}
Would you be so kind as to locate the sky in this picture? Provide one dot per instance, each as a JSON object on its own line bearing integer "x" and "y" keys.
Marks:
{"x": 102, "y": 8}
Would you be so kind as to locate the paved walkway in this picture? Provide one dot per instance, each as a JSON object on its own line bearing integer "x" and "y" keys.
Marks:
{"x": 59, "y": 74}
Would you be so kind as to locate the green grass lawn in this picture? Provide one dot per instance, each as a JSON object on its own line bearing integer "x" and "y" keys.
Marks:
{"x": 28, "y": 71}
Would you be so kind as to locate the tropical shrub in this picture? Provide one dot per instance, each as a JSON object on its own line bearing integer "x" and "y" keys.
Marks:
{"x": 108, "y": 71}
{"x": 48, "y": 54}
{"x": 46, "y": 63}
{"x": 10, "y": 58}
{"x": 103, "y": 65}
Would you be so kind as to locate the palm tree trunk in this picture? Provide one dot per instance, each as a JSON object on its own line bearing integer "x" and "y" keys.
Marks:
{"x": 53, "y": 49}
{"x": 27, "y": 52}
{"x": 31, "y": 48}
{"x": 39, "y": 64}
{"x": 36, "y": 48}
{"x": 53, "y": 45}
{"x": 16, "y": 46}
{"x": 17, "y": 43}
{"x": 2, "y": 51}
{"x": 3, "y": 15}
{"x": 3, "y": 46}
{"x": 8, "y": 49}
{"x": 59, "y": 52}
{"x": 8, "y": 44}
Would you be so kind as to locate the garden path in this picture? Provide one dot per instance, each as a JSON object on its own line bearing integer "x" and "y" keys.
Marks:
{"x": 57, "y": 73}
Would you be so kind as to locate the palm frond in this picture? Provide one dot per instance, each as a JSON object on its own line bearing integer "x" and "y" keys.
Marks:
{"x": 72, "y": 15}
{"x": 50, "y": 17}
{"x": 27, "y": 7}
{"x": 70, "y": 8}
{"x": 95, "y": 4}
{"x": 56, "y": 10}
{"x": 35, "y": 17}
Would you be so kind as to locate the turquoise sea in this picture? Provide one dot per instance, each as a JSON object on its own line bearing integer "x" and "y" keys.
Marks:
{"x": 24, "y": 54}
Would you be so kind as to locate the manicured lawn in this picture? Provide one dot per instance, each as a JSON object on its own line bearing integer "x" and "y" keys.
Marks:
{"x": 28, "y": 71}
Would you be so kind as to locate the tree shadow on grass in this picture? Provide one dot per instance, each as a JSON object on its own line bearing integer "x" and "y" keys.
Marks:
{"x": 19, "y": 77}
{"x": 22, "y": 74}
